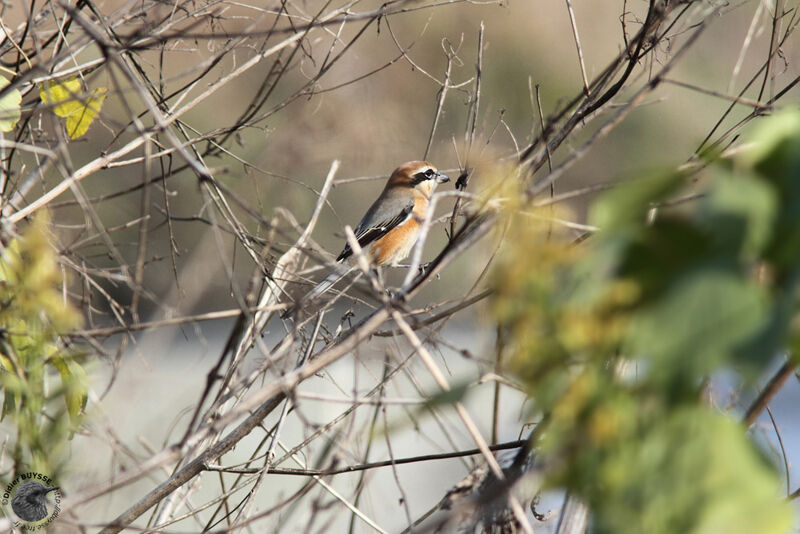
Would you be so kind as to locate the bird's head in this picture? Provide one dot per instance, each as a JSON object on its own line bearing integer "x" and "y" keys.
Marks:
{"x": 420, "y": 175}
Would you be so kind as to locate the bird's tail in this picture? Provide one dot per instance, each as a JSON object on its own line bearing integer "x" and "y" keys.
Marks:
{"x": 321, "y": 288}
{"x": 328, "y": 282}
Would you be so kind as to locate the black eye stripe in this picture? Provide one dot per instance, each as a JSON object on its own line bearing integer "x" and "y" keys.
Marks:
{"x": 423, "y": 175}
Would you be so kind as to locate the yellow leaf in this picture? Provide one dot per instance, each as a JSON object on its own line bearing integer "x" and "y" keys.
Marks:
{"x": 69, "y": 102}
{"x": 79, "y": 121}
{"x": 9, "y": 107}
{"x": 64, "y": 96}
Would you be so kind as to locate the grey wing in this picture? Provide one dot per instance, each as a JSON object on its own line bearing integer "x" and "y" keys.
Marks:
{"x": 381, "y": 218}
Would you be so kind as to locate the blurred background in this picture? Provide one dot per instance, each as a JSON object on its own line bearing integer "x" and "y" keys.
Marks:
{"x": 364, "y": 91}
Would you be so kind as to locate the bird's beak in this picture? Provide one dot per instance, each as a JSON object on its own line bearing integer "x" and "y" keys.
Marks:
{"x": 442, "y": 178}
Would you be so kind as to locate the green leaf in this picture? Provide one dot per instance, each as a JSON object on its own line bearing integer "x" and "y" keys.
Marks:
{"x": 74, "y": 382}
{"x": 13, "y": 388}
{"x": 655, "y": 256}
{"x": 9, "y": 107}
{"x": 742, "y": 209}
{"x": 697, "y": 324}
{"x": 693, "y": 472}
{"x": 630, "y": 202}
{"x": 68, "y": 102}
{"x": 777, "y": 159}
{"x": 770, "y": 134}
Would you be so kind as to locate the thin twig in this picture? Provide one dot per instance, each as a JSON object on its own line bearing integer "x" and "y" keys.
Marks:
{"x": 586, "y": 90}
{"x": 773, "y": 386}
{"x": 372, "y": 465}
{"x": 439, "y": 102}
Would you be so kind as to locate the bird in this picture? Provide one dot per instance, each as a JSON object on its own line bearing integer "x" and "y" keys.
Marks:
{"x": 30, "y": 501}
{"x": 389, "y": 229}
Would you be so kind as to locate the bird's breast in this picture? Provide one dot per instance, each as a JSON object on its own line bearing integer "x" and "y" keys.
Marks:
{"x": 396, "y": 245}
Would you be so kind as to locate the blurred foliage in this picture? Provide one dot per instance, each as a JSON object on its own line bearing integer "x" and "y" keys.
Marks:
{"x": 32, "y": 315}
{"x": 615, "y": 338}
{"x": 79, "y": 111}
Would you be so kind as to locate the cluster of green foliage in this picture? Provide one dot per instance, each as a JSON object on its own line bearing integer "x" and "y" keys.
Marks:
{"x": 616, "y": 337}
{"x": 36, "y": 369}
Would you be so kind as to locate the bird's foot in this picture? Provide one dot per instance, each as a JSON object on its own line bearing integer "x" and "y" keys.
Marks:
{"x": 423, "y": 268}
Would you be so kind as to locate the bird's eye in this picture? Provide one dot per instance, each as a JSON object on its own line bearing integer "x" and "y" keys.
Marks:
{"x": 429, "y": 172}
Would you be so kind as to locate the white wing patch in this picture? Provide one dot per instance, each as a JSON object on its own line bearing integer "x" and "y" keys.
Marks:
{"x": 408, "y": 217}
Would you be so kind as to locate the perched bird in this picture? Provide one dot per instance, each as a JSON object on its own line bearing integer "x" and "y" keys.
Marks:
{"x": 30, "y": 501}
{"x": 389, "y": 229}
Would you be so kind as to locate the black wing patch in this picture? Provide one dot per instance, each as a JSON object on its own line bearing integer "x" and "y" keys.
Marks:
{"x": 365, "y": 236}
